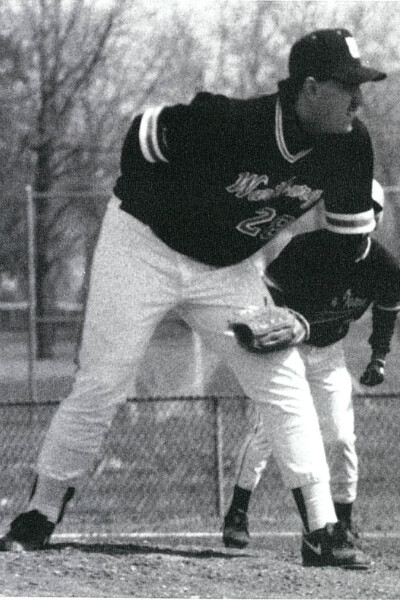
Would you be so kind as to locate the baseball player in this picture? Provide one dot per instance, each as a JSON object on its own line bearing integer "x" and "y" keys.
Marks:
{"x": 203, "y": 188}
{"x": 331, "y": 290}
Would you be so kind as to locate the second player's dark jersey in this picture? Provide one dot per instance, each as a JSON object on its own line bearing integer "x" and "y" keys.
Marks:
{"x": 331, "y": 292}
{"x": 218, "y": 178}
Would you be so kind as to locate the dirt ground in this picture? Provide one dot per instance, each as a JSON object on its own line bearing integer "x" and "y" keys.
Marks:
{"x": 202, "y": 568}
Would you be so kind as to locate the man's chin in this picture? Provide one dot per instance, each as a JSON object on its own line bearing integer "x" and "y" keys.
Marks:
{"x": 346, "y": 126}
{"x": 345, "y": 129}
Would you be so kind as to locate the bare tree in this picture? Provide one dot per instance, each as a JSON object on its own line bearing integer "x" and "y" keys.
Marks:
{"x": 65, "y": 46}
{"x": 87, "y": 71}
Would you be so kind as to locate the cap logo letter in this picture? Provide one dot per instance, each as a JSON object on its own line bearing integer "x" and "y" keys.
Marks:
{"x": 353, "y": 48}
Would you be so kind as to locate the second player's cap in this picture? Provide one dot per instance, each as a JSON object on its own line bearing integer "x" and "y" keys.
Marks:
{"x": 330, "y": 54}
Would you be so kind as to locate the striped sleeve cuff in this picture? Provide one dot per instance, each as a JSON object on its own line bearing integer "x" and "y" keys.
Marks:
{"x": 394, "y": 308}
{"x": 363, "y": 222}
{"x": 150, "y": 139}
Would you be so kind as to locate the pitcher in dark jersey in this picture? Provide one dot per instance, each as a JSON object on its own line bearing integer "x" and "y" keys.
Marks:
{"x": 203, "y": 188}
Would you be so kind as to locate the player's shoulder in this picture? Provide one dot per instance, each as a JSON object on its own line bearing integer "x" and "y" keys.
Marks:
{"x": 232, "y": 107}
{"x": 382, "y": 256}
{"x": 383, "y": 265}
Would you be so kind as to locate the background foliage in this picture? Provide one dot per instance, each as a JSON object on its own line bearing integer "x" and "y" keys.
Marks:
{"x": 74, "y": 72}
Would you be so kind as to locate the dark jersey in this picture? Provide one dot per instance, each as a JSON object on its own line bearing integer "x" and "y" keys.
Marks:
{"x": 331, "y": 292}
{"x": 217, "y": 179}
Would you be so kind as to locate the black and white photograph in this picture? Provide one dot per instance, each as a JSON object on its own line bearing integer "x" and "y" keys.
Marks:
{"x": 199, "y": 292}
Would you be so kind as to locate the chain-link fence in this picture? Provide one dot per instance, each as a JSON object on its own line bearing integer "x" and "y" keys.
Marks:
{"x": 167, "y": 473}
{"x": 170, "y": 462}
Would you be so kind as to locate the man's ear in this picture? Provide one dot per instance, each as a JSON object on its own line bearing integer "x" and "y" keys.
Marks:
{"x": 310, "y": 86}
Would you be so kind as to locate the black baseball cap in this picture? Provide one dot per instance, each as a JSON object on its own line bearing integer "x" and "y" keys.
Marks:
{"x": 330, "y": 54}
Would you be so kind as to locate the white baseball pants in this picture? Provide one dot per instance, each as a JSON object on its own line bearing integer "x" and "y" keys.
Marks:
{"x": 135, "y": 280}
{"x": 330, "y": 387}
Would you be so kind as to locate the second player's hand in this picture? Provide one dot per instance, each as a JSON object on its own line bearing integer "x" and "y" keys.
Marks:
{"x": 374, "y": 374}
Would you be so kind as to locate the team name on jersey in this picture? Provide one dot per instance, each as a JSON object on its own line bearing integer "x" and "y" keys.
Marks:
{"x": 254, "y": 188}
{"x": 349, "y": 301}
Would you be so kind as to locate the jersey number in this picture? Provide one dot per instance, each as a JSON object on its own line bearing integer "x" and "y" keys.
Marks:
{"x": 252, "y": 226}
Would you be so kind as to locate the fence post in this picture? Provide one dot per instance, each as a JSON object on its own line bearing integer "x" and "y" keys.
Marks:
{"x": 219, "y": 465}
{"x": 198, "y": 383}
{"x": 32, "y": 350}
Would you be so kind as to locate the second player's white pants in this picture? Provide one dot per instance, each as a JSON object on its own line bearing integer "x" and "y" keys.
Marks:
{"x": 331, "y": 389}
{"x": 135, "y": 280}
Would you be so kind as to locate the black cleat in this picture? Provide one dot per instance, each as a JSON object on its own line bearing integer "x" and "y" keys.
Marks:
{"x": 334, "y": 546}
{"x": 236, "y": 529}
{"x": 28, "y": 531}
{"x": 351, "y": 532}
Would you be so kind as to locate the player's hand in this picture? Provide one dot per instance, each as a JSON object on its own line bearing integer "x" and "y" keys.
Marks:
{"x": 374, "y": 374}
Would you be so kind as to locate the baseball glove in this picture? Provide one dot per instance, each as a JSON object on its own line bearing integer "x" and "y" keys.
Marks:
{"x": 269, "y": 329}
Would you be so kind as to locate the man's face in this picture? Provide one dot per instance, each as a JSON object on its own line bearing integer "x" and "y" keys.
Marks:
{"x": 334, "y": 106}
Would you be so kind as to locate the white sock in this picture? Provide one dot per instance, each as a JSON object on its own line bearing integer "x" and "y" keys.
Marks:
{"x": 319, "y": 505}
{"x": 48, "y": 497}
